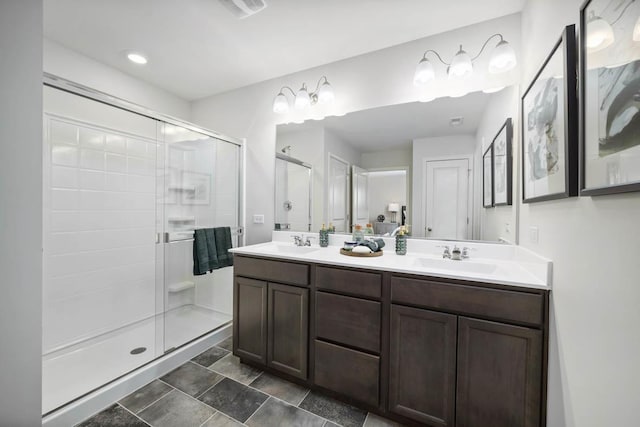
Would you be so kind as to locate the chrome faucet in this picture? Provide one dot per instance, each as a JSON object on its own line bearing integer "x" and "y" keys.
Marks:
{"x": 297, "y": 240}
{"x": 445, "y": 253}
{"x": 465, "y": 252}
{"x": 394, "y": 232}
{"x": 308, "y": 242}
{"x": 456, "y": 253}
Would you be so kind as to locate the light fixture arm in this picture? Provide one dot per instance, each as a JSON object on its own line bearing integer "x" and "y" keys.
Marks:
{"x": 290, "y": 90}
{"x": 424, "y": 56}
{"x": 315, "y": 92}
{"x": 485, "y": 45}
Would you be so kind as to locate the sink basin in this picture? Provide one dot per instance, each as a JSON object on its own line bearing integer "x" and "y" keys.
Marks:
{"x": 289, "y": 249}
{"x": 465, "y": 266}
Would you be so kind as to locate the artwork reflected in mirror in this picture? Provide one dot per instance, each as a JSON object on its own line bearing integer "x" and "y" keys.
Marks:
{"x": 487, "y": 178}
{"x": 549, "y": 131}
{"x": 610, "y": 95}
{"x": 405, "y": 165}
{"x": 502, "y": 164}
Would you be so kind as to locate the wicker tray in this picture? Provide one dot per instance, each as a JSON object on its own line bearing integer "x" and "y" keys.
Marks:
{"x": 361, "y": 255}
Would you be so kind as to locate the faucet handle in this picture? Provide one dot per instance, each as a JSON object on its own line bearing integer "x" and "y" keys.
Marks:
{"x": 465, "y": 251}
{"x": 308, "y": 241}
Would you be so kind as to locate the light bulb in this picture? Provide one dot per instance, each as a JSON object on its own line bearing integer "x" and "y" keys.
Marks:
{"x": 325, "y": 93}
{"x": 302, "y": 99}
{"x": 503, "y": 58}
{"x": 461, "y": 66}
{"x": 424, "y": 72}
{"x": 280, "y": 104}
{"x": 636, "y": 31}
{"x": 599, "y": 34}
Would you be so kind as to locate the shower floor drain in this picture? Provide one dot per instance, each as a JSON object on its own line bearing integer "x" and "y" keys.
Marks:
{"x": 138, "y": 350}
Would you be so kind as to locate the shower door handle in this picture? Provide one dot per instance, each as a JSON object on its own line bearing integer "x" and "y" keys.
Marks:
{"x": 162, "y": 238}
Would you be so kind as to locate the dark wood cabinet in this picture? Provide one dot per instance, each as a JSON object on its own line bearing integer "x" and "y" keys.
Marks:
{"x": 250, "y": 319}
{"x": 421, "y": 350}
{"x": 422, "y": 365}
{"x": 499, "y": 375}
{"x": 288, "y": 318}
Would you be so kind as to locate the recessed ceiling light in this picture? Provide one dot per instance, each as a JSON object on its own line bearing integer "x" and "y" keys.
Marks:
{"x": 137, "y": 58}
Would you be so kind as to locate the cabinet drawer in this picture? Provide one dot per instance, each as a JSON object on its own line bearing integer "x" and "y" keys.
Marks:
{"x": 348, "y": 372}
{"x": 347, "y": 320}
{"x": 271, "y": 270}
{"x": 349, "y": 282}
{"x": 492, "y": 303}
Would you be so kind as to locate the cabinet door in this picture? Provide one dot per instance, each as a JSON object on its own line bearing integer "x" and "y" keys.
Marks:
{"x": 288, "y": 329}
{"x": 499, "y": 375}
{"x": 422, "y": 365}
{"x": 250, "y": 320}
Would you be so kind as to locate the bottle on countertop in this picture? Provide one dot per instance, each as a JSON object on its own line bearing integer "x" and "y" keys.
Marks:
{"x": 324, "y": 237}
{"x": 368, "y": 230}
{"x": 358, "y": 233}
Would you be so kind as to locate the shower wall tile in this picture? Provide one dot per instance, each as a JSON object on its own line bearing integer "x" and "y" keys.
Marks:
{"x": 65, "y": 199}
{"x": 91, "y": 180}
{"x": 91, "y": 138}
{"x": 116, "y": 163}
{"x": 92, "y": 159}
{"x": 116, "y": 144}
{"x": 64, "y": 155}
{"x": 64, "y": 177}
{"x": 116, "y": 182}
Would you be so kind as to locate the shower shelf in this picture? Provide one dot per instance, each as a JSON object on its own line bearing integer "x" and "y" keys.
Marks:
{"x": 181, "y": 219}
{"x": 181, "y": 286}
{"x": 181, "y": 188}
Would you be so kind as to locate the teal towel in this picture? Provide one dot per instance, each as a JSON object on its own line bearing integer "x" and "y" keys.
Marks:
{"x": 212, "y": 249}
{"x": 200, "y": 253}
{"x": 223, "y": 244}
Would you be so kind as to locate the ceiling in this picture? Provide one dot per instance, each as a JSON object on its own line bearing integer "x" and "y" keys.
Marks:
{"x": 395, "y": 126}
{"x": 197, "y": 48}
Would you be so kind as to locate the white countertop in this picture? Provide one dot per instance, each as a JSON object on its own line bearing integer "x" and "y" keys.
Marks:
{"x": 488, "y": 262}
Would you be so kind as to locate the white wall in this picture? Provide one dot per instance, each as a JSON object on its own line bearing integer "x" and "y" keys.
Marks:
{"x": 372, "y": 80}
{"x": 386, "y": 187}
{"x": 594, "y": 375}
{"x": 386, "y": 159}
{"x": 71, "y": 65}
{"x": 500, "y": 221}
{"x": 438, "y": 148}
{"x": 21, "y": 217}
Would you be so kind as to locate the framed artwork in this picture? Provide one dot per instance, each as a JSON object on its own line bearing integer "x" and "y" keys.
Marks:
{"x": 550, "y": 126}
{"x": 503, "y": 165}
{"x": 487, "y": 177}
{"x": 196, "y": 188}
{"x": 610, "y": 97}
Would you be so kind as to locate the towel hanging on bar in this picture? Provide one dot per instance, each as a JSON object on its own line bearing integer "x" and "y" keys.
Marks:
{"x": 211, "y": 249}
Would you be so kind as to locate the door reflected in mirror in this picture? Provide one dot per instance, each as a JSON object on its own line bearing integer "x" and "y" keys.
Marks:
{"x": 415, "y": 164}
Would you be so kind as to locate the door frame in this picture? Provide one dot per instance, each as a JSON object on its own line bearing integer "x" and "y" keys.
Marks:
{"x": 470, "y": 196}
{"x": 347, "y": 202}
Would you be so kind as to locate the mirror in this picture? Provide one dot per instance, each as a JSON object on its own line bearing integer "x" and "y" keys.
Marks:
{"x": 419, "y": 164}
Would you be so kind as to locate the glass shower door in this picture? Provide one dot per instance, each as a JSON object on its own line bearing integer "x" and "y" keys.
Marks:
{"x": 200, "y": 191}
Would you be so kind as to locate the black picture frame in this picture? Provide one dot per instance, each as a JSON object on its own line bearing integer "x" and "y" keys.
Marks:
{"x": 487, "y": 163}
{"x": 507, "y": 129}
{"x": 567, "y": 46}
{"x": 606, "y": 162}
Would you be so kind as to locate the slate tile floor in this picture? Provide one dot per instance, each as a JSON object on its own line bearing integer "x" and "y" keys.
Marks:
{"x": 215, "y": 390}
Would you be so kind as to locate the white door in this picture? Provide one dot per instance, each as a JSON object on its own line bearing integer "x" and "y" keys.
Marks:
{"x": 338, "y": 192}
{"x": 447, "y": 198}
{"x": 359, "y": 195}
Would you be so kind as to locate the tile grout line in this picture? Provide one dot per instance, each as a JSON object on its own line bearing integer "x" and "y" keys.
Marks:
{"x": 205, "y": 421}
{"x": 303, "y": 398}
{"x": 155, "y": 401}
{"x": 133, "y": 414}
{"x": 261, "y": 405}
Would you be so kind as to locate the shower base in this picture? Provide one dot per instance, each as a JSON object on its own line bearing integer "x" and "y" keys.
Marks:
{"x": 74, "y": 371}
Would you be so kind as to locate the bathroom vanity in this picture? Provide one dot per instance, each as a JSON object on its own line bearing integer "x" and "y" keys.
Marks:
{"x": 414, "y": 338}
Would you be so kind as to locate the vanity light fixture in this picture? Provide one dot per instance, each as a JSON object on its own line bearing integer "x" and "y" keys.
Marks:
{"x": 323, "y": 94}
{"x": 599, "y": 33}
{"x": 636, "y": 31}
{"x": 503, "y": 58}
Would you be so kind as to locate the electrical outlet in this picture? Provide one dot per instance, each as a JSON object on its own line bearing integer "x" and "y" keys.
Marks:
{"x": 258, "y": 219}
{"x": 534, "y": 234}
{"x": 507, "y": 227}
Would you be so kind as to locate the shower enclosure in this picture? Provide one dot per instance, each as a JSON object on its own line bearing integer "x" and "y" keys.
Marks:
{"x": 124, "y": 190}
